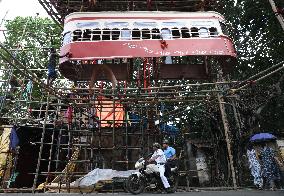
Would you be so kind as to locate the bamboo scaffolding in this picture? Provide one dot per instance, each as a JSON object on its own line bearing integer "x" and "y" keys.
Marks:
{"x": 154, "y": 88}
{"x": 41, "y": 145}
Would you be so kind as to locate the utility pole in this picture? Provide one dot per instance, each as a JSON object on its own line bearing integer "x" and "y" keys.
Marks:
{"x": 278, "y": 16}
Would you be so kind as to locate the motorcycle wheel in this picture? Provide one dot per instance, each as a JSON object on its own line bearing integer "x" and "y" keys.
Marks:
{"x": 135, "y": 184}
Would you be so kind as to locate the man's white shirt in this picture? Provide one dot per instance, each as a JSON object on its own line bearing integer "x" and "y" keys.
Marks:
{"x": 161, "y": 158}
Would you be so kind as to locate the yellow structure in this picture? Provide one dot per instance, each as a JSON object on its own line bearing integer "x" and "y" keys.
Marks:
{"x": 5, "y": 154}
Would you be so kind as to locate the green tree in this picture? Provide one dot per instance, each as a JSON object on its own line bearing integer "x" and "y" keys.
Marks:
{"x": 29, "y": 40}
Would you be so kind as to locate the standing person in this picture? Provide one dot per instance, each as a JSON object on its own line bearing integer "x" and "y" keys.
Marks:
{"x": 160, "y": 159}
{"x": 254, "y": 167}
{"x": 170, "y": 154}
{"x": 270, "y": 169}
{"x": 52, "y": 75}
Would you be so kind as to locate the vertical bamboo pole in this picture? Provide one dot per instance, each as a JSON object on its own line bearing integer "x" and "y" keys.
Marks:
{"x": 41, "y": 144}
{"x": 113, "y": 132}
{"x": 58, "y": 114}
{"x": 226, "y": 128}
{"x": 49, "y": 158}
{"x": 58, "y": 146}
{"x": 126, "y": 139}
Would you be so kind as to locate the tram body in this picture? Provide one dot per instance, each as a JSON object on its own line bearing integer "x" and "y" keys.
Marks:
{"x": 91, "y": 38}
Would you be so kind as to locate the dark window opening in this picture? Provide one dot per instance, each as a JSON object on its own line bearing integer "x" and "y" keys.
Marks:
{"x": 156, "y": 34}
{"x": 175, "y": 33}
{"x": 96, "y": 34}
{"x": 146, "y": 34}
{"x": 213, "y": 31}
{"x": 185, "y": 32}
{"x": 115, "y": 34}
{"x": 106, "y": 34}
{"x": 194, "y": 32}
{"x": 87, "y": 35}
{"x": 136, "y": 34}
{"x": 77, "y": 34}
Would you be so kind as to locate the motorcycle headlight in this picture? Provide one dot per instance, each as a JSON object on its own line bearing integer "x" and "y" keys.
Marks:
{"x": 137, "y": 164}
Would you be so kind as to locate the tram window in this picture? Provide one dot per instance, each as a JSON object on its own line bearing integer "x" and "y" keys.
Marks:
{"x": 66, "y": 38}
{"x": 125, "y": 34}
{"x": 203, "y": 32}
{"x": 77, "y": 34}
{"x": 87, "y": 35}
{"x": 115, "y": 34}
{"x": 96, "y": 34}
{"x": 106, "y": 34}
{"x": 166, "y": 33}
{"x": 194, "y": 32}
{"x": 136, "y": 34}
{"x": 146, "y": 34}
{"x": 156, "y": 34}
{"x": 213, "y": 31}
{"x": 175, "y": 32}
{"x": 185, "y": 32}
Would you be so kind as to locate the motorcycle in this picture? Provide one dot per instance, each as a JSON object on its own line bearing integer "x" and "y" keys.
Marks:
{"x": 138, "y": 181}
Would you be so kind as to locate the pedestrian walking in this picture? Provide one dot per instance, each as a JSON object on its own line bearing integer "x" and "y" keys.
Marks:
{"x": 254, "y": 166}
{"x": 270, "y": 166}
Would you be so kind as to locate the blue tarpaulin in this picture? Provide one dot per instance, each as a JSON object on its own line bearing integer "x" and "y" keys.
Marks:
{"x": 14, "y": 140}
{"x": 170, "y": 129}
{"x": 134, "y": 120}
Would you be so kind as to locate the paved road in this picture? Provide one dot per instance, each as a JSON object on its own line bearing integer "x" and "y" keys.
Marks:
{"x": 193, "y": 193}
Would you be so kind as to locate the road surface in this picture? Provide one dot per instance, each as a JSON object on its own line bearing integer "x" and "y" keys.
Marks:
{"x": 192, "y": 193}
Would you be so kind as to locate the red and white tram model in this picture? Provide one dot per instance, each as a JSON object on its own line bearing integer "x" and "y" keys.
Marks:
{"x": 116, "y": 37}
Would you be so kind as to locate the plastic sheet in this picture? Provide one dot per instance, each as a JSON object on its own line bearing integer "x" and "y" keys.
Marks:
{"x": 99, "y": 175}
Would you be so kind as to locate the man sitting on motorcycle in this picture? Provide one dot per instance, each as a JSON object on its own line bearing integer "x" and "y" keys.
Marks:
{"x": 170, "y": 154}
{"x": 160, "y": 159}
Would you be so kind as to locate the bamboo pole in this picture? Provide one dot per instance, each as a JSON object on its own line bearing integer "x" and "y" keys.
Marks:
{"x": 153, "y": 88}
{"x": 41, "y": 145}
{"x": 259, "y": 79}
{"x": 228, "y": 141}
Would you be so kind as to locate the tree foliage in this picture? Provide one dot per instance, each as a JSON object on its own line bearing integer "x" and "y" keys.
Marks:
{"x": 28, "y": 39}
{"x": 35, "y": 35}
{"x": 259, "y": 40}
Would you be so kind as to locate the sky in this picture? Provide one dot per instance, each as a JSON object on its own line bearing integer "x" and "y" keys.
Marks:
{"x": 20, "y": 8}
{"x": 9, "y": 9}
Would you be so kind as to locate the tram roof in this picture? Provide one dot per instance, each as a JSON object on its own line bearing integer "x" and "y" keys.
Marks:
{"x": 142, "y": 15}
{"x": 58, "y": 10}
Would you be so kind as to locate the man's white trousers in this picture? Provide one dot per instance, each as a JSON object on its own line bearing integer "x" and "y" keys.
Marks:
{"x": 151, "y": 168}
